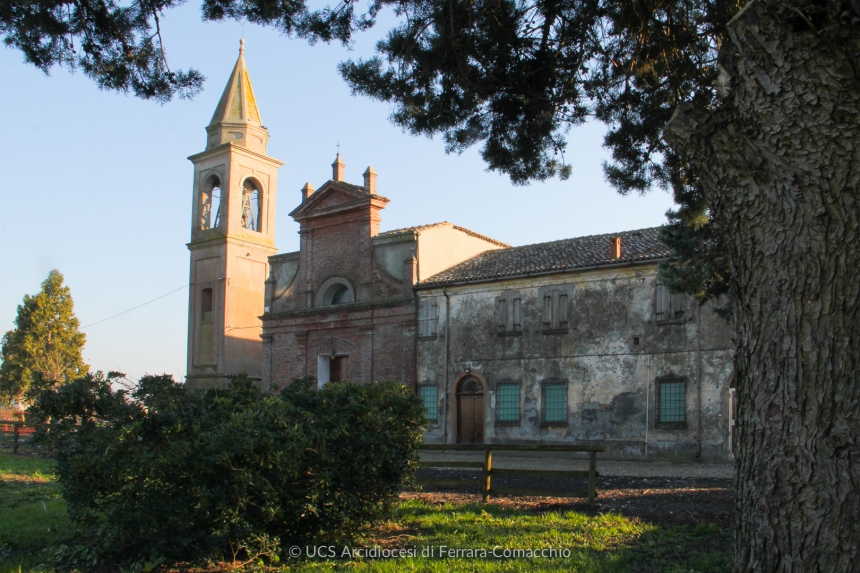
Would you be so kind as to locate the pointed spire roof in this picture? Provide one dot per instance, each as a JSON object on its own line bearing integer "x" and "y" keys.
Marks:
{"x": 238, "y": 104}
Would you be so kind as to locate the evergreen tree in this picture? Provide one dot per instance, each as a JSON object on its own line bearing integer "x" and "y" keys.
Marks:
{"x": 45, "y": 346}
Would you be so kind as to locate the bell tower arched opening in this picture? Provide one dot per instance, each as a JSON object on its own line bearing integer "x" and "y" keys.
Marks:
{"x": 252, "y": 206}
{"x": 210, "y": 204}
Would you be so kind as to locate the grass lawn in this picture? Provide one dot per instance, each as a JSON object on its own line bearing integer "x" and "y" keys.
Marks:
{"x": 32, "y": 513}
{"x": 33, "y": 522}
{"x": 583, "y": 544}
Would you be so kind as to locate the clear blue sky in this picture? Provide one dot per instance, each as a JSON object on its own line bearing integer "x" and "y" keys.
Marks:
{"x": 97, "y": 184}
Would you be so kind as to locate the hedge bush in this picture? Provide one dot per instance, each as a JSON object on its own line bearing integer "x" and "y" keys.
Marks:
{"x": 161, "y": 473}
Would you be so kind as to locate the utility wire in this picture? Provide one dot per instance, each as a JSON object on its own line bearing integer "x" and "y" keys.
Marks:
{"x": 135, "y": 308}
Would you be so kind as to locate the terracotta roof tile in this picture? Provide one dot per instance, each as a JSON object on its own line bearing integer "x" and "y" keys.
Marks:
{"x": 456, "y": 227}
{"x": 410, "y": 229}
{"x": 555, "y": 256}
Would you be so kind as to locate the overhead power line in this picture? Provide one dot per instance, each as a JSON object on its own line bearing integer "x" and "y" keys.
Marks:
{"x": 135, "y": 308}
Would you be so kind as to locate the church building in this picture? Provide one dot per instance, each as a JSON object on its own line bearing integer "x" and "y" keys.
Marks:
{"x": 568, "y": 341}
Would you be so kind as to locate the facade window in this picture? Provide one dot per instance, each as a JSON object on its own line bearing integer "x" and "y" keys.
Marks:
{"x": 206, "y": 305}
{"x": 509, "y": 402}
{"x": 337, "y": 371}
{"x": 337, "y": 293}
{"x": 509, "y": 312}
{"x": 671, "y": 404}
{"x": 554, "y": 399}
{"x": 428, "y": 318}
{"x": 668, "y": 306}
{"x": 555, "y": 311}
{"x": 428, "y": 395}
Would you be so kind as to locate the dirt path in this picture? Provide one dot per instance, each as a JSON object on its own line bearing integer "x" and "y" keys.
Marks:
{"x": 659, "y": 500}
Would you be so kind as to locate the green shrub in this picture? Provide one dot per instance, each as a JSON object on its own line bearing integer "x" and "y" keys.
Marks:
{"x": 162, "y": 473}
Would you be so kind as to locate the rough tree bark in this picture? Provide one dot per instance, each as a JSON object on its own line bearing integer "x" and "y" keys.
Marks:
{"x": 780, "y": 160}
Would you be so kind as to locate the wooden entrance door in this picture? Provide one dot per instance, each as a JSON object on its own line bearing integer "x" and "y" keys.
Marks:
{"x": 470, "y": 411}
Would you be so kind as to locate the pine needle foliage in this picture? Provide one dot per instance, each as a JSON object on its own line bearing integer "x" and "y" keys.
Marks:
{"x": 510, "y": 76}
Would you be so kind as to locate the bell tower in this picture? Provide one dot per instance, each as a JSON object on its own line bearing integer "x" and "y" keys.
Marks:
{"x": 232, "y": 236}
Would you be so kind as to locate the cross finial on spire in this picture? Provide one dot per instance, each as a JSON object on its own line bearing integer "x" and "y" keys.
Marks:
{"x": 242, "y": 47}
{"x": 338, "y": 147}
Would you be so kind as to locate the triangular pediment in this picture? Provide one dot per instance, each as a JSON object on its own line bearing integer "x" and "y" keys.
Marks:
{"x": 334, "y": 198}
{"x": 334, "y": 195}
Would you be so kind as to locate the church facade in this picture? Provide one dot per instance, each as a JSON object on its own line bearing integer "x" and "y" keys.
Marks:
{"x": 574, "y": 340}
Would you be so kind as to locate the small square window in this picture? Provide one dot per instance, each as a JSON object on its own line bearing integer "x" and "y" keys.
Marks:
{"x": 509, "y": 402}
{"x": 555, "y": 402}
{"x": 671, "y": 404}
{"x": 429, "y": 396}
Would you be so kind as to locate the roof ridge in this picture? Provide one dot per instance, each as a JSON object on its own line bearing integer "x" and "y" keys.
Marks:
{"x": 484, "y": 237}
{"x": 412, "y": 228}
{"x": 583, "y": 237}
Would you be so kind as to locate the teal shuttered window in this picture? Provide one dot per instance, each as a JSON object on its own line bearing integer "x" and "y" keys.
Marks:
{"x": 509, "y": 402}
{"x": 671, "y": 404}
{"x": 555, "y": 402}
{"x": 428, "y": 395}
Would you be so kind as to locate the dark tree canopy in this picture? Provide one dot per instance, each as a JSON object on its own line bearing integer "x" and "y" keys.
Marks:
{"x": 510, "y": 76}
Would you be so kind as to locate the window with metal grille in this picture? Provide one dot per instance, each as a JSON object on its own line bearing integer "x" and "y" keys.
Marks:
{"x": 428, "y": 395}
{"x": 509, "y": 312}
{"x": 428, "y": 318}
{"x": 668, "y": 306}
{"x": 671, "y": 404}
{"x": 509, "y": 402}
{"x": 554, "y": 402}
{"x": 555, "y": 311}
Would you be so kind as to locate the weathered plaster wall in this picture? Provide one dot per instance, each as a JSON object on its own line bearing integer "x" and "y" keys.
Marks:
{"x": 611, "y": 357}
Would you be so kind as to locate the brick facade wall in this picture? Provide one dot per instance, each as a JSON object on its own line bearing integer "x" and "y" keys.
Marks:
{"x": 376, "y": 331}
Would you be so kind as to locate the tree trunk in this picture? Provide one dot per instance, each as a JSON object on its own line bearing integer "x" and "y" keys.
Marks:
{"x": 780, "y": 161}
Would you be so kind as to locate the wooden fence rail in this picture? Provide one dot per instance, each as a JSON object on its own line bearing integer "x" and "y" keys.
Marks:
{"x": 489, "y": 471}
{"x": 17, "y": 427}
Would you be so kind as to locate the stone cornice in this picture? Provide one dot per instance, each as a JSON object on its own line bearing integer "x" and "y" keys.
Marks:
{"x": 230, "y": 240}
{"x": 232, "y": 147}
{"x": 336, "y": 309}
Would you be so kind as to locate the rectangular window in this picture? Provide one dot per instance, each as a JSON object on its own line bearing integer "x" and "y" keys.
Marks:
{"x": 554, "y": 402}
{"x": 668, "y": 306}
{"x": 671, "y": 404}
{"x": 338, "y": 369}
{"x": 555, "y": 311}
{"x": 561, "y": 310}
{"x": 428, "y": 395}
{"x": 509, "y": 312}
{"x": 509, "y": 402}
{"x": 428, "y": 318}
{"x": 206, "y": 305}
{"x": 547, "y": 311}
{"x": 517, "y": 323}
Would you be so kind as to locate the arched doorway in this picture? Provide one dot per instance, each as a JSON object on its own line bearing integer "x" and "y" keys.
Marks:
{"x": 470, "y": 411}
